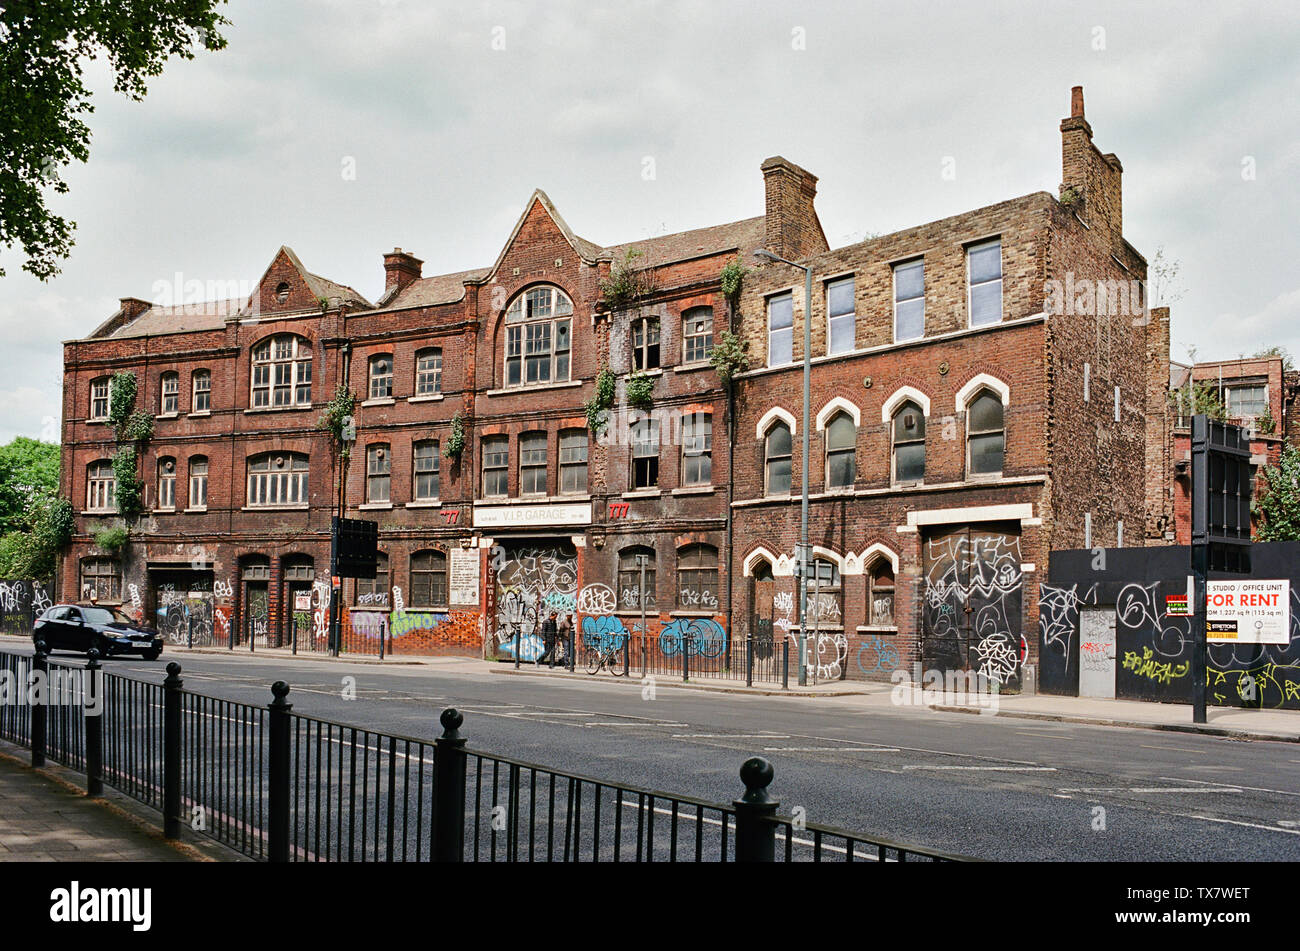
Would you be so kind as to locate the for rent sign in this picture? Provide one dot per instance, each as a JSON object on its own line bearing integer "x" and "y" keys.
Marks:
{"x": 1248, "y": 612}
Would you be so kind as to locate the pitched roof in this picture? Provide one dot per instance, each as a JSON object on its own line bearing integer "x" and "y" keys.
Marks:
{"x": 741, "y": 236}
{"x": 181, "y": 318}
{"x": 439, "y": 289}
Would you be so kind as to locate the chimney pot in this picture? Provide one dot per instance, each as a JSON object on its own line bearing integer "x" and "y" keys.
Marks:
{"x": 400, "y": 269}
{"x": 1076, "y": 102}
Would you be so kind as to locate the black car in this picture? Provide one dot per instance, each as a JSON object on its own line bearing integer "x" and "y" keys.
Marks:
{"x": 79, "y": 627}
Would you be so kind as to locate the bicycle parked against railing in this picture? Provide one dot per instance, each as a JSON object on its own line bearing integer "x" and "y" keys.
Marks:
{"x": 606, "y": 652}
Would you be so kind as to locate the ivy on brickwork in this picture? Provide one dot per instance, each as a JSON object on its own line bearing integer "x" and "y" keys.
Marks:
{"x": 601, "y": 400}
{"x": 732, "y": 280}
{"x": 134, "y": 429}
{"x": 112, "y": 540}
{"x": 640, "y": 390}
{"x": 729, "y": 357}
{"x": 1277, "y": 509}
{"x": 456, "y": 438}
{"x": 121, "y": 399}
{"x": 339, "y": 408}
{"x": 129, "y": 488}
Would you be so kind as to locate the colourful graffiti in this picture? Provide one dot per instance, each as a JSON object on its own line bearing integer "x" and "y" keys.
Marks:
{"x": 1266, "y": 685}
{"x": 1162, "y": 672}
{"x": 704, "y": 637}
{"x": 603, "y": 633}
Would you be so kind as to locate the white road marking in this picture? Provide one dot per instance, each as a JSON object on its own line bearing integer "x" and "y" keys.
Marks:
{"x": 831, "y": 749}
{"x": 730, "y": 736}
{"x": 1181, "y": 749}
{"x": 994, "y": 769}
{"x": 1150, "y": 789}
{"x": 1206, "y": 782}
{"x": 1234, "y": 822}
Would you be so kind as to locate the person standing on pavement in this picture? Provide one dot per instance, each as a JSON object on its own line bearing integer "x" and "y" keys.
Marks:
{"x": 549, "y": 632}
{"x": 565, "y": 638}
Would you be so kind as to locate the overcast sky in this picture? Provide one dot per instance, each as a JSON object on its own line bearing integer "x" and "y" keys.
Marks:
{"x": 343, "y": 129}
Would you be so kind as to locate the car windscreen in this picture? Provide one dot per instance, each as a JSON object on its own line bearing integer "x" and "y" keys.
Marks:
{"x": 104, "y": 616}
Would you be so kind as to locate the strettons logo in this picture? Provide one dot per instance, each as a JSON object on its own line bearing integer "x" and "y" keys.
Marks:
{"x": 75, "y": 904}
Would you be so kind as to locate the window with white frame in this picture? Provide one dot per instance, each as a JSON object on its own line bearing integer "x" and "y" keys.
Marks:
{"x": 532, "y": 463}
{"x": 777, "y": 460}
{"x": 909, "y": 300}
{"x": 880, "y": 593}
{"x": 538, "y": 337}
{"x": 909, "y": 443}
{"x": 840, "y": 322}
{"x": 426, "y": 470}
{"x": 697, "y": 334}
{"x": 379, "y": 473}
{"x": 573, "y": 461}
{"x": 201, "y": 391}
{"x": 101, "y": 487}
{"x": 985, "y": 435}
{"x": 199, "y": 482}
{"x": 381, "y": 376}
{"x": 99, "y": 399}
{"x": 780, "y": 330}
{"x": 645, "y": 343}
{"x": 277, "y": 478}
{"x": 1245, "y": 400}
{"x": 428, "y": 372}
{"x": 166, "y": 483}
{"x": 984, "y": 274}
{"x": 170, "y": 394}
{"x": 697, "y": 449}
{"x": 282, "y": 372}
{"x": 645, "y": 454}
{"x": 841, "y": 452}
{"x": 496, "y": 466}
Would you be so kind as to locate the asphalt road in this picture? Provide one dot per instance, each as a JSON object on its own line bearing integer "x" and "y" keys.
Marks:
{"x": 994, "y": 788}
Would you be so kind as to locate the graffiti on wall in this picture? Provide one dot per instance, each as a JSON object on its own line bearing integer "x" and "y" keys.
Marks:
{"x": 21, "y": 602}
{"x": 697, "y": 636}
{"x": 1058, "y": 620}
{"x": 877, "y": 655}
{"x": 531, "y": 582}
{"x": 971, "y": 604}
{"x": 185, "y": 619}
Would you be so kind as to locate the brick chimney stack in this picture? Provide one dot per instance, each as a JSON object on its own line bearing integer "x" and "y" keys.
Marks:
{"x": 793, "y": 229}
{"x": 400, "y": 269}
{"x": 1090, "y": 181}
{"x": 132, "y": 307}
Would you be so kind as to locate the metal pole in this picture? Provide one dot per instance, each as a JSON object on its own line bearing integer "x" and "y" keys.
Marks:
{"x": 756, "y": 813}
{"x": 803, "y": 492}
{"x": 172, "y": 751}
{"x": 40, "y": 673}
{"x": 816, "y": 600}
{"x": 641, "y": 563}
{"x": 94, "y": 726}
{"x": 278, "y": 774}
{"x": 449, "y": 759}
{"x": 1200, "y": 557}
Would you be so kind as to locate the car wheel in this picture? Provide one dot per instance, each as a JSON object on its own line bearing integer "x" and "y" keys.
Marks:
{"x": 102, "y": 645}
{"x": 152, "y": 653}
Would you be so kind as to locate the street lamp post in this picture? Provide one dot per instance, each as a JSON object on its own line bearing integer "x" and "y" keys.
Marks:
{"x": 764, "y": 255}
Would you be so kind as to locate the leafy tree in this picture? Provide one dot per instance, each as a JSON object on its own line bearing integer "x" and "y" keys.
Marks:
{"x": 1277, "y": 508}
{"x": 1201, "y": 398}
{"x": 44, "y": 48}
{"x": 29, "y": 471}
{"x": 1278, "y": 351}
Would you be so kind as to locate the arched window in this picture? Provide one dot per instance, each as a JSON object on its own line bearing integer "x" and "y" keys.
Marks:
{"x": 277, "y": 478}
{"x": 697, "y": 334}
{"x": 426, "y": 470}
{"x": 825, "y": 594}
{"x": 880, "y": 593}
{"x": 282, "y": 372}
{"x": 428, "y": 372}
{"x": 374, "y": 591}
{"x": 428, "y": 579}
{"x": 101, "y": 487}
{"x": 697, "y": 449}
{"x": 629, "y": 578}
{"x": 841, "y": 450}
{"x": 101, "y": 580}
{"x": 538, "y": 337}
{"x": 201, "y": 391}
{"x": 169, "y": 394}
{"x": 777, "y": 460}
{"x": 573, "y": 461}
{"x": 645, "y": 343}
{"x": 697, "y": 577}
{"x": 166, "y": 483}
{"x": 985, "y": 435}
{"x": 98, "y": 399}
{"x": 379, "y": 470}
{"x": 198, "y": 482}
{"x": 909, "y": 443}
{"x": 381, "y": 376}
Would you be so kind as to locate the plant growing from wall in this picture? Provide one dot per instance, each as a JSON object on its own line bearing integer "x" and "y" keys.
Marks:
{"x": 129, "y": 487}
{"x": 134, "y": 429}
{"x": 121, "y": 399}
{"x": 601, "y": 400}
{"x": 1277, "y": 508}
{"x": 341, "y": 405}
{"x": 728, "y": 357}
{"x": 1071, "y": 196}
{"x": 627, "y": 283}
{"x": 1265, "y": 423}
{"x": 732, "y": 281}
{"x": 112, "y": 540}
{"x": 640, "y": 390}
{"x": 1197, "y": 399}
{"x": 456, "y": 438}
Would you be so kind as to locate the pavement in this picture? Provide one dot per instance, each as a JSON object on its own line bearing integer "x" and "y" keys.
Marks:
{"x": 46, "y": 817}
{"x": 1230, "y": 722}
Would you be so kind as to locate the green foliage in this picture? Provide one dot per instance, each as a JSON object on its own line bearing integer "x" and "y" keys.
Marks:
{"x": 1277, "y": 508}
{"x": 112, "y": 540}
{"x": 129, "y": 488}
{"x": 728, "y": 357}
{"x": 732, "y": 280}
{"x": 1202, "y": 397}
{"x": 640, "y": 390}
{"x": 137, "y": 428}
{"x": 121, "y": 398}
{"x": 29, "y": 470}
{"x": 1070, "y": 196}
{"x": 601, "y": 400}
{"x": 1265, "y": 423}
{"x": 456, "y": 438}
{"x": 627, "y": 282}
{"x": 1277, "y": 351}
{"x": 44, "y": 100}
{"x": 54, "y": 524}
{"x": 340, "y": 406}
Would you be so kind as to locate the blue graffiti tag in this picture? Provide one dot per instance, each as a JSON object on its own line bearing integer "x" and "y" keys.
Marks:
{"x": 703, "y": 636}
{"x": 886, "y": 656}
{"x": 603, "y": 633}
{"x": 530, "y": 647}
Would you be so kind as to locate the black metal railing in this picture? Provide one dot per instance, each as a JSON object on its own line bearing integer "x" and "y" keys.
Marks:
{"x": 279, "y": 786}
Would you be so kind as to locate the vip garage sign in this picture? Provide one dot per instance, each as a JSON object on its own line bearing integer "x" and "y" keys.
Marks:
{"x": 1248, "y": 612}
